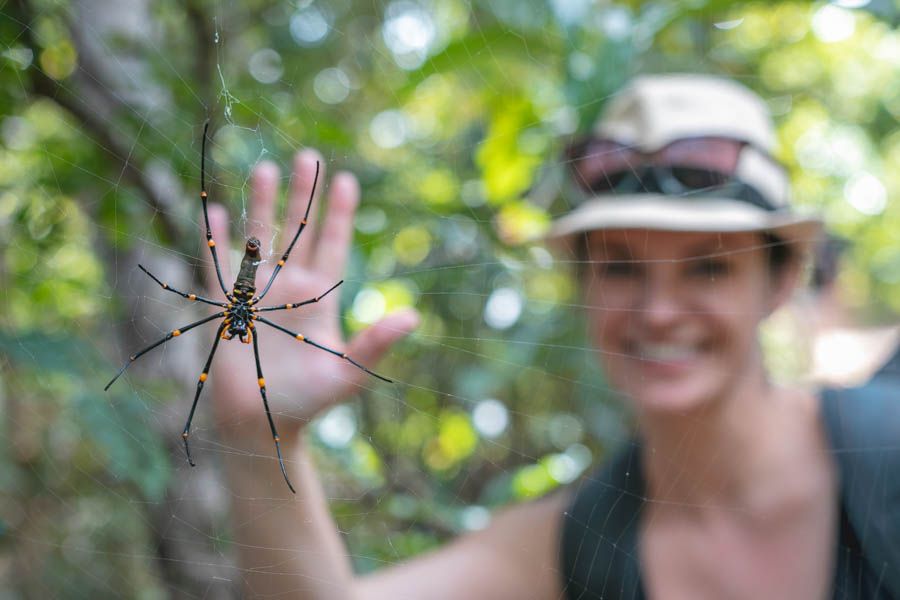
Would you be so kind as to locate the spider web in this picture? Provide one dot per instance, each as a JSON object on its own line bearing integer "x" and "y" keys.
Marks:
{"x": 452, "y": 116}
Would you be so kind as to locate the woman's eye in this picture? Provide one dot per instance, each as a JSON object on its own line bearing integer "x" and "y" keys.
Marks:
{"x": 616, "y": 268}
{"x": 709, "y": 268}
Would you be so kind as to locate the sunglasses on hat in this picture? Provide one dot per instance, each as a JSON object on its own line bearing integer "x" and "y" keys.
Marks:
{"x": 700, "y": 166}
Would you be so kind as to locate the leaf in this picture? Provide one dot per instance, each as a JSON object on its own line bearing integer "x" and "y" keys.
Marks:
{"x": 51, "y": 352}
{"x": 134, "y": 452}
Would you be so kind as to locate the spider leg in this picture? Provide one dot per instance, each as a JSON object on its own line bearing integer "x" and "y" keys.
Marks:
{"x": 303, "y": 338}
{"x": 290, "y": 247}
{"x": 191, "y": 297}
{"x": 304, "y": 303}
{"x": 169, "y": 336}
{"x": 200, "y": 382}
{"x": 262, "y": 391}
{"x": 203, "y": 198}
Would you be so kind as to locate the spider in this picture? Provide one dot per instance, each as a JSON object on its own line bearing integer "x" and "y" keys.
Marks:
{"x": 241, "y": 312}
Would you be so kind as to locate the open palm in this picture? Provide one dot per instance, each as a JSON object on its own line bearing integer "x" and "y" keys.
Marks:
{"x": 301, "y": 379}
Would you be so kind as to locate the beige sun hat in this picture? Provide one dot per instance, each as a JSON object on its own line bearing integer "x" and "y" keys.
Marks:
{"x": 655, "y": 110}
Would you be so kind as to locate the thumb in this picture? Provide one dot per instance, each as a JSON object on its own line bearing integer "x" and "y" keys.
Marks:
{"x": 372, "y": 343}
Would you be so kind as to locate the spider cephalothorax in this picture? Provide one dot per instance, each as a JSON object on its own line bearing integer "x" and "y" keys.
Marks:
{"x": 240, "y": 313}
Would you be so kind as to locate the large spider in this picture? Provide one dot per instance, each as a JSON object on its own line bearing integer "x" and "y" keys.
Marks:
{"x": 241, "y": 312}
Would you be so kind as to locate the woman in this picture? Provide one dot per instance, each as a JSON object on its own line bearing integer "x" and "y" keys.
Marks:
{"x": 688, "y": 241}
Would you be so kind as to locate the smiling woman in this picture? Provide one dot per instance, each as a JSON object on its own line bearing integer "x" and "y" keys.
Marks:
{"x": 688, "y": 242}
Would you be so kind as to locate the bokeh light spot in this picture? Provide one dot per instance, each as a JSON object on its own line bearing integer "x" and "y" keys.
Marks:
{"x": 408, "y": 32}
{"x": 337, "y": 427}
{"x": 503, "y": 308}
{"x": 310, "y": 27}
{"x": 389, "y": 129}
{"x": 833, "y": 23}
{"x": 412, "y": 245}
{"x": 265, "y": 66}
{"x": 490, "y": 417}
{"x": 59, "y": 60}
{"x": 475, "y": 517}
{"x": 369, "y": 306}
{"x": 866, "y": 193}
{"x": 332, "y": 86}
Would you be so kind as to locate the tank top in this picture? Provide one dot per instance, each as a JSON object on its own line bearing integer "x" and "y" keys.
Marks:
{"x": 599, "y": 542}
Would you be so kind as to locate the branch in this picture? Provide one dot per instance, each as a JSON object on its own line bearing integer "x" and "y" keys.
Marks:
{"x": 98, "y": 129}
{"x": 205, "y": 58}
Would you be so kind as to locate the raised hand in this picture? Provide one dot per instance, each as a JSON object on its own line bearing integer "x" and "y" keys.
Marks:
{"x": 301, "y": 379}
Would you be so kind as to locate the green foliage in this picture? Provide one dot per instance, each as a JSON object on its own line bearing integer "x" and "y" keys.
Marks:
{"x": 74, "y": 466}
{"x": 449, "y": 143}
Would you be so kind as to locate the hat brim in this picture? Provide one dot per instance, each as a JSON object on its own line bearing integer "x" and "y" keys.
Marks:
{"x": 667, "y": 213}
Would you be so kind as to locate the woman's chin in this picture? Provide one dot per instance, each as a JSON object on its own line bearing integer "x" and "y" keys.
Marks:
{"x": 668, "y": 397}
{"x": 678, "y": 384}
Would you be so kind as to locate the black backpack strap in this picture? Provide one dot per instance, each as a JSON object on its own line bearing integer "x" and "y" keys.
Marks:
{"x": 891, "y": 369}
{"x": 600, "y": 532}
{"x": 864, "y": 427}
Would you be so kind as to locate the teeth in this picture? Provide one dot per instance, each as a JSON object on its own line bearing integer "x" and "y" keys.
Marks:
{"x": 666, "y": 352}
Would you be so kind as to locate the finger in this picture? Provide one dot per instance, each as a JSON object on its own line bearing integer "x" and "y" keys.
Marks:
{"x": 218, "y": 224}
{"x": 336, "y": 234}
{"x": 263, "y": 197}
{"x": 302, "y": 181}
{"x": 371, "y": 344}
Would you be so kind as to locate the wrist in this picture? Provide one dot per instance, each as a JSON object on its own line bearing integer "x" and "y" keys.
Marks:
{"x": 255, "y": 473}
{"x": 252, "y": 440}
{"x": 244, "y": 425}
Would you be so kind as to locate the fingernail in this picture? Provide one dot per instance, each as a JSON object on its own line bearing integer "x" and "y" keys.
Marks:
{"x": 265, "y": 180}
{"x": 346, "y": 178}
{"x": 266, "y": 169}
{"x": 410, "y": 318}
{"x": 308, "y": 156}
{"x": 217, "y": 212}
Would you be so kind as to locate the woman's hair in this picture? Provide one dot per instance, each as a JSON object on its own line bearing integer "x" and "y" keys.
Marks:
{"x": 781, "y": 254}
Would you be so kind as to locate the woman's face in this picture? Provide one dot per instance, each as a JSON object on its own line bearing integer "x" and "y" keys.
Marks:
{"x": 675, "y": 314}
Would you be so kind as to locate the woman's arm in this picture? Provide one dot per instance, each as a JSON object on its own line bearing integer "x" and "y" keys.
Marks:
{"x": 516, "y": 558}
{"x": 288, "y": 543}
{"x": 289, "y": 546}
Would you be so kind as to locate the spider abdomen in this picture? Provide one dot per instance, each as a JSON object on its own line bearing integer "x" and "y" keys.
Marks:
{"x": 245, "y": 284}
{"x": 239, "y": 317}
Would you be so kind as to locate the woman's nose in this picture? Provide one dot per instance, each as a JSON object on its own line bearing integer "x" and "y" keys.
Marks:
{"x": 659, "y": 306}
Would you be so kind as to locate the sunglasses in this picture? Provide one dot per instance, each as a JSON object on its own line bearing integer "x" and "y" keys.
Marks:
{"x": 701, "y": 166}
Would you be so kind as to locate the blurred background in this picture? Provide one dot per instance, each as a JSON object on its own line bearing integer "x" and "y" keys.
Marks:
{"x": 453, "y": 114}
